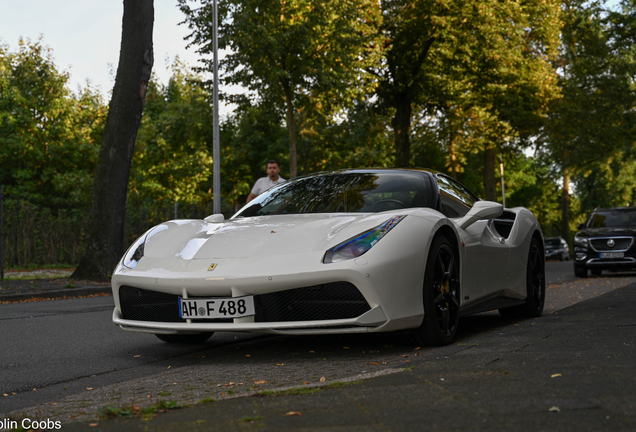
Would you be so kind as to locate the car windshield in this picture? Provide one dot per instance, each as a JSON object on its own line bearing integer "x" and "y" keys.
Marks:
{"x": 359, "y": 192}
{"x": 612, "y": 218}
{"x": 553, "y": 242}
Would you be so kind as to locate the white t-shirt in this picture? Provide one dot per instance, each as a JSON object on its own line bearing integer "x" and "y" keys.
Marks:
{"x": 264, "y": 183}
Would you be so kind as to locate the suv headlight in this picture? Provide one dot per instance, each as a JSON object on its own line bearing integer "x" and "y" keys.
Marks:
{"x": 581, "y": 241}
{"x": 360, "y": 244}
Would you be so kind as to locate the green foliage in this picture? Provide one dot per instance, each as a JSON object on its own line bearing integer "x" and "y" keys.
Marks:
{"x": 297, "y": 55}
{"x": 49, "y": 137}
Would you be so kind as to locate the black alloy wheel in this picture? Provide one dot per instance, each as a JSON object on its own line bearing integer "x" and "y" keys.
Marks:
{"x": 195, "y": 338}
{"x": 440, "y": 296}
{"x": 535, "y": 286}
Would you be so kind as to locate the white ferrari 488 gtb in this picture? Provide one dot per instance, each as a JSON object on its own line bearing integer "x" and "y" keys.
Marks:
{"x": 350, "y": 251}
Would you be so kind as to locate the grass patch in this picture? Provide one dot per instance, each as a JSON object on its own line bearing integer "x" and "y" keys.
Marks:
{"x": 164, "y": 394}
{"x": 207, "y": 400}
{"x": 110, "y": 411}
{"x": 251, "y": 419}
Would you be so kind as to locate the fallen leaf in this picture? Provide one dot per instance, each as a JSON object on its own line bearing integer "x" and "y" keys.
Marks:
{"x": 555, "y": 409}
{"x": 248, "y": 355}
{"x": 280, "y": 364}
{"x": 556, "y": 375}
{"x": 274, "y": 232}
{"x": 222, "y": 394}
{"x": 373, "y": 363}
{"x": 93, "y": 424}
{"x": 87, "y": 388}
{"x": 260, "y": 382}
{"x": 6, "y": 394}
{"x": 346, "y": 347}
{"x": 311, "y": 351}
{"x": 383, "y": 362}
{"x": 150, "y": 396}
{"x": 53, "y": 403}
{"x": 323, "y": 379}
{"x": 293, "y": 413}
{"x": 219, "y": 385}
{"x": 306, "y": 382}
{"x": 417, "y": 353}
{"x": 231, "y": 383}
{"x": 404, "y": 355}
{"x": 138, "y": 355}
{"x": 417, "y": 349}
{"x": 169, "y": 367}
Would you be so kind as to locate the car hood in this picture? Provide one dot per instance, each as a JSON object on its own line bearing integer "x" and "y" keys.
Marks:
{"x": 256, "y": 236}
{"x": 607, "y": 232}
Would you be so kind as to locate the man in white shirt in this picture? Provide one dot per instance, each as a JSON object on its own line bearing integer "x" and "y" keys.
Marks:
{"x": 264, "y": 183}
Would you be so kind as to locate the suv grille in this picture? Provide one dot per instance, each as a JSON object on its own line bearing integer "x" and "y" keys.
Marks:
{"x": 336, "y": 300}
{"x": 620, "y": 244}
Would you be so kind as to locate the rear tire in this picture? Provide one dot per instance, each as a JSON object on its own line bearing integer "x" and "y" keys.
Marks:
{"x": 196, "y": 338}
{"x": 440, "y": 296}
{"x": 535, "y": 286}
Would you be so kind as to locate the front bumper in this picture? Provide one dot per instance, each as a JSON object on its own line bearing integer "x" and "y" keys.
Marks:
{"x": 370, "y": 321}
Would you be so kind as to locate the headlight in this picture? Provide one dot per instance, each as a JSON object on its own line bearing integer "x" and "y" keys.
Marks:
{"x": 580, "y": 241}
{"x": 360, "y": 244}
{"x": 135, "y": 252}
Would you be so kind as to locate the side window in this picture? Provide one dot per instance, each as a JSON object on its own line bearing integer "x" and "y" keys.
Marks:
{"x": 456, "y": 200}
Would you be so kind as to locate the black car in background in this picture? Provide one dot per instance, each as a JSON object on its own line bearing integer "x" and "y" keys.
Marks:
{"x": 606, "y": 241}
{"x": 556, "y": 248}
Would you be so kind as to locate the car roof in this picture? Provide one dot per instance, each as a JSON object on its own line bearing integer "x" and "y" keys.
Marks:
{"x": 625, "y": 209}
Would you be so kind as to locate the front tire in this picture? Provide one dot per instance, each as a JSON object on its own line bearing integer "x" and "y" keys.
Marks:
{"x": 440, "y": 296}
{"x": 196, "y": 338}
{"x": 580, "y": 271}
{"x": 535, "y": 286}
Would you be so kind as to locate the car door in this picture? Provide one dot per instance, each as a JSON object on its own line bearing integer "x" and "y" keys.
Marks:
{"x": 484, "y": 253}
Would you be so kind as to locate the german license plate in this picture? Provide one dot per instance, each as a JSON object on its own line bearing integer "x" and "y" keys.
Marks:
{"x": 223, "y": 307}
{"x": 612, "y": 254}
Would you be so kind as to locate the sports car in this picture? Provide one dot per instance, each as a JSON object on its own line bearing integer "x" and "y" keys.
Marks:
{"x": 349, "y": 251}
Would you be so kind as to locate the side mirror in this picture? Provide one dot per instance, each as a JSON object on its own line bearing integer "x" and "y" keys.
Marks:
{"x": 215, "y": 218}
{"x": 481, "y": 210}
{"x": 580, "y": 226}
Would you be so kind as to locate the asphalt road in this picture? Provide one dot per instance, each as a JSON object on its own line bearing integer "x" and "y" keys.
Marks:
{"x": 54, "y": 349}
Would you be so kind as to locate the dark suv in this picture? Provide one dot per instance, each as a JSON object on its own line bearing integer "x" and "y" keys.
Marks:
{"x": 606, "y": 241}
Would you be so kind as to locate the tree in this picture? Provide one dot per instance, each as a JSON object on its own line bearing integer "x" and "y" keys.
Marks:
{"x": 591, "y": 128}
{"x": 296, "y": 54}
{"x": 48, "y": 135}
{"x": 105, "y": 230}
{"x": 490, "y": 56}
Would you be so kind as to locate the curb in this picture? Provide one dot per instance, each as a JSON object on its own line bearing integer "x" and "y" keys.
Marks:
{"x": 66, "y": 293}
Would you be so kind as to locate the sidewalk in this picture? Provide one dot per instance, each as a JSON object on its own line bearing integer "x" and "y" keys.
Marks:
{"x": 47, "y": 288}
{"x": 573, "y": 370}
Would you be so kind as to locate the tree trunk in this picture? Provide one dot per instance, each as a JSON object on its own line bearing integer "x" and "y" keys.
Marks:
{"x": 291, "y": 128}
{"x": 490, "y": 185}
{"x": 105, "y": 229}
{"x": 401, "y": 130}
{"x": 565, "y": 206}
